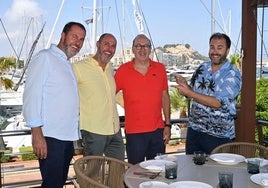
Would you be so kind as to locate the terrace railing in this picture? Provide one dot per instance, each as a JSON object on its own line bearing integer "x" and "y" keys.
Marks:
{"x": 261, "y": 126}
{"x": 71, "y": 179}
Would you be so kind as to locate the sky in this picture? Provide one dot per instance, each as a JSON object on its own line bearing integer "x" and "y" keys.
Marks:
{"x": 165, "y": 22}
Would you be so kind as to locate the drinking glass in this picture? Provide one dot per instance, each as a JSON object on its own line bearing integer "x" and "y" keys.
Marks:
{"x": 253, "y": 166}
{"x": 171, "y": 170}
{"x": 225, "y": 180}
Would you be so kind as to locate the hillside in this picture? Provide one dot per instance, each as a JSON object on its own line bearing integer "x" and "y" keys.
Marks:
{"x": 183, "y": 50}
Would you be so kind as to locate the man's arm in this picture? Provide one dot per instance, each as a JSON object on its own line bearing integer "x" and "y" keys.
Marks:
{"x": 32, "y": 109}
{"x": 186, "y": 90}
{"x": 166, "y": 112}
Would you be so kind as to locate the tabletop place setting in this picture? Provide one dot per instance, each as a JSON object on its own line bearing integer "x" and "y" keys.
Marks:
{"x": 168, "y": 165}
{"x": 259, "y": 168}
{"x": 256, "y": 166}
{"x": 200, "y": 170}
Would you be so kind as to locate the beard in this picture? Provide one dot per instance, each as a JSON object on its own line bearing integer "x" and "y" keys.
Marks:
{"x": 68, "y": 50}
{"x": 221, "y": 60}
{"x": 104, "y": 58}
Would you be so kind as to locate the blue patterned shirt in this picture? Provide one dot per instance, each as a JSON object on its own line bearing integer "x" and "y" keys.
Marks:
{"x": 225, "y": 85}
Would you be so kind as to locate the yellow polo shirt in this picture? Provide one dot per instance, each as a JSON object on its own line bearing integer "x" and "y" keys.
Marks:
{"x": 98, "y": 112}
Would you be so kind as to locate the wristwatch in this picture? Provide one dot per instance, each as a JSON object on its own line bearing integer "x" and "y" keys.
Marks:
{"x": 168, "y": 125}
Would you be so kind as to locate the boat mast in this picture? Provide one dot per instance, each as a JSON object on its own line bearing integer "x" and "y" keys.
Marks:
{"x": 212, "y": 16}
{"x": 55, "y": 23}
{"x": 93, "y": 38}
{"x": 262, "y": 44}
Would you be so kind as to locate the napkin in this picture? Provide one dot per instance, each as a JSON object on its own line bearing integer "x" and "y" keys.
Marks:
{"x": 154, "y": 168}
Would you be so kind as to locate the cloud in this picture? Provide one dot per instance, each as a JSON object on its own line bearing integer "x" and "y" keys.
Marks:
{"x": 20, "y": 15}
{"x": 23, "y": 8}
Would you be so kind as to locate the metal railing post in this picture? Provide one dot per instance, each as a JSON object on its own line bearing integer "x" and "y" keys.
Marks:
{"x": 1, "y": 154}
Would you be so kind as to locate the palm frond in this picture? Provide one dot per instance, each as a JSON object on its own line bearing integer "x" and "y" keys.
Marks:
{"x": 6, "y": 83}
{"x": 177, "y": 101}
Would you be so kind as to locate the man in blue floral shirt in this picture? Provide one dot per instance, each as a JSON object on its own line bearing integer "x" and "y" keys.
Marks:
{"x": 214, "y": 88}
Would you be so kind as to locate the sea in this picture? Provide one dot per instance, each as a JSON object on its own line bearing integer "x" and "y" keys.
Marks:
{"x": 264, "y": 72}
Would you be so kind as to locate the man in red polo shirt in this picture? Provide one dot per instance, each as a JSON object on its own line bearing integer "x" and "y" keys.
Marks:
{"x": 145, "y": 92}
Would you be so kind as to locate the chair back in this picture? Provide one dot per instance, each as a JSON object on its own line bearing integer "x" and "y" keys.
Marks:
{"x": 100, "y": 172}
{"x": 247, "y": 149}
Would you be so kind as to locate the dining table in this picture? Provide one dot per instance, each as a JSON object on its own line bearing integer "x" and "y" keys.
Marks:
{"x": 187, "y": 170}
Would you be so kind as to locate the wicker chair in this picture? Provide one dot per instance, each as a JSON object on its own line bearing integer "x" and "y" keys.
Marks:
{"x": 248, "y": 150}
{"x": 100, "y": 172}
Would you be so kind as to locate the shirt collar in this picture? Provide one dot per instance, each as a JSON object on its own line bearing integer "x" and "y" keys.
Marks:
{"x": 226, "y": 65}
{"x": 131, "y": 64}
{"x": 58, "y": 51}
{"x": 96, "y": 63}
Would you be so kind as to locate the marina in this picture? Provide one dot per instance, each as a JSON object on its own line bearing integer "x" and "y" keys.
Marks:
{"x": 11, "y": 102}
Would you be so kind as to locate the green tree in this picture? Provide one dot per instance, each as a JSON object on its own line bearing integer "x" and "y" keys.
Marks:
{"x": 236, "y": 60}
{"x": 262, "y": 99}
{"x": 178, "y": 103}
{"x": 262, "y": 106}
{"x": 20, "y": 64}
{"x": 187, "y": 46}
{"x": 6, "y": 64}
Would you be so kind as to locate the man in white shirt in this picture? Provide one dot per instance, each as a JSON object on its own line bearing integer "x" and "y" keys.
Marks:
{"x": 51, "y": 105}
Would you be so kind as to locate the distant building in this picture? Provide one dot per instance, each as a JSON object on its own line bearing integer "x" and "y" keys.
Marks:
{"x": 125, "y": 56}
{"x": 167, "y": 58}
{"x": 79, "y": 57}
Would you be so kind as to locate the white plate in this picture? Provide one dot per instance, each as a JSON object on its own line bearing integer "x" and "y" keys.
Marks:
{"x": 189, "y": 184}
{"x": 166, "y": 157}
{"x": 154, "y": 165}
{"x": 257, "y": 178}
{"x": 227, "y": 158}
{"x": 157, "y": 184}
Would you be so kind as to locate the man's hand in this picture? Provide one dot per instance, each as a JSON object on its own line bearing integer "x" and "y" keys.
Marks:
{"x": 39, "y": 143}
{"x": 166, "y": 134}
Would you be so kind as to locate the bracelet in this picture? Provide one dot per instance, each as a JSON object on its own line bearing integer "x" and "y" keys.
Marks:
{"x": 167, "y": 125}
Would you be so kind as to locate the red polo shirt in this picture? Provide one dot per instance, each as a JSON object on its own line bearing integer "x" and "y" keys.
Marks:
{"x": 142, "y": 96}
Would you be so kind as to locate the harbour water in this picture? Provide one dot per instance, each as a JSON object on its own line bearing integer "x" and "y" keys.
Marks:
{"x": 264, "y": 72}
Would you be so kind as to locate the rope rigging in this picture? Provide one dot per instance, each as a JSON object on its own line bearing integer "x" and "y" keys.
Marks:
{"x": 9, "y": 39}
{"x": 219, "y": 25}
{"x": 16, "y": 87}
{"x": 263, "y": 46}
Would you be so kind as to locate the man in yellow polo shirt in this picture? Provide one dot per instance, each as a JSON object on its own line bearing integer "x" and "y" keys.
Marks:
{"x": 99, "y": 121}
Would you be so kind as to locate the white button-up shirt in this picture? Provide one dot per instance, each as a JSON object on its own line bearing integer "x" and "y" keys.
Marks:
{"x": 50, "y": 96}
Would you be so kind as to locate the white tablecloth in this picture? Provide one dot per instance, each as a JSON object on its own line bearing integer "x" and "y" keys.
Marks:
{"x": 188, "y": 171}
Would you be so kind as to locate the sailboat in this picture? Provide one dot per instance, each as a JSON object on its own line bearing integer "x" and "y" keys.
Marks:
{"x": 12, "y": 110}
{"x": 17, "y": 123}
{"x": 96, "y": 23}
{"x": 100, "y": 20}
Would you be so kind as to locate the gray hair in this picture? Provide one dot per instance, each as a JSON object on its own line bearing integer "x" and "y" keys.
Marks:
{"x": 141, "y": 36}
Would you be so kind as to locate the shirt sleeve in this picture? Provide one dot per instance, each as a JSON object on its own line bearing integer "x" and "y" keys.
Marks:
{"x": 33, "y": 92}
{"x": 230, "y": 89}
{"x": 118, "y": 80}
